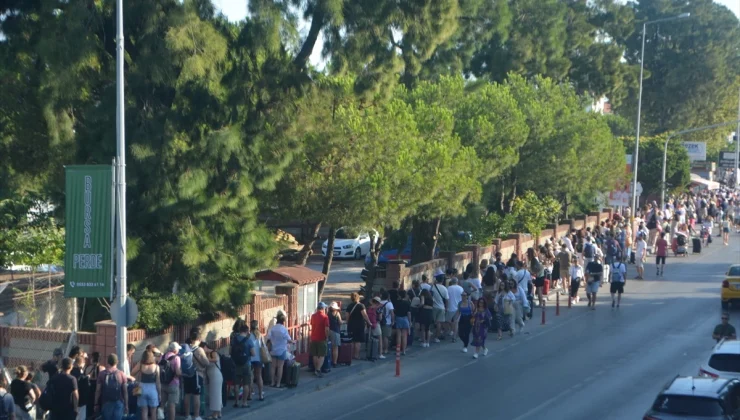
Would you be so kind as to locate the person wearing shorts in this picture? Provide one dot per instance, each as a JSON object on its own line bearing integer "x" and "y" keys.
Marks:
{"x": 594, "y": 273}
{"x": 171, "y": 391}
{"x": 318, "y": 348}
{"x": 616, "y": 288}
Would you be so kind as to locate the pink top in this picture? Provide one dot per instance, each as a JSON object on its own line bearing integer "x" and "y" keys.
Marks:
{"x": 662, "y": 246}
{"x": 372, "y": 315}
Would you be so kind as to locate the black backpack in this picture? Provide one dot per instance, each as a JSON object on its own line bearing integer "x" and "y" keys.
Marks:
{"x": 166, "y": 372}
{"x": 46, "y": 400}
{"x": 239, "y": 350}
{"x": 228, "y": 368}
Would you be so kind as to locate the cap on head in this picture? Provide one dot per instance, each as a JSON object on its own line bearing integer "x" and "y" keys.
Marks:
{"x": 321, "y": 306}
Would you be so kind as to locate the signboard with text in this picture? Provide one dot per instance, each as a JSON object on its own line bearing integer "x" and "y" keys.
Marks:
{"x": 88, "y": 262}
{"x": 726, "y": 159}
{"x": 696, "y": 150}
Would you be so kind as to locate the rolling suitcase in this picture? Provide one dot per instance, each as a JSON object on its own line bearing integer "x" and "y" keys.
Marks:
{"x": 345, "y": 354}
{"x": 696, "y": 244}
{"x": 372, "y": 347}
{"x": 291, "y": 374}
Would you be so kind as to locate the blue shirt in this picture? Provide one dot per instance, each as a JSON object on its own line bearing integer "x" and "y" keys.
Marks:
{"x": 254, "y": 343}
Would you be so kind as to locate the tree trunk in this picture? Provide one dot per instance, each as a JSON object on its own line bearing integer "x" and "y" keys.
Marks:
{"x": 512, "y": 197}
{"x": 435, "y": 238}
{"x": 308, "y": 246}
{"x": 375, "y": 244}
{"x": 328, "y": 258}
{"x": 566, "y": 206}
{"x": 308, "y": 45}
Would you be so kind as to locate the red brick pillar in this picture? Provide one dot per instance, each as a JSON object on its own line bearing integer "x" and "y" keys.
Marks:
{"x": 475, "y": 249}
{"x": 105, "y": 338}
{"x": 291, "y": 291}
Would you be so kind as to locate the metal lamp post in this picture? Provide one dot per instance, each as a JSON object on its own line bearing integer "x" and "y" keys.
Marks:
{"x": 680, "y": 133}
{"x": 639, "y": 106}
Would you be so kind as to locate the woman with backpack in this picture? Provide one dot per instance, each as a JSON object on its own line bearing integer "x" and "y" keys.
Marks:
{"x": 150, "y": 386}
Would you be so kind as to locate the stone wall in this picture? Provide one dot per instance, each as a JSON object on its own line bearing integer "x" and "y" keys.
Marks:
{"x": 515, "y": 243}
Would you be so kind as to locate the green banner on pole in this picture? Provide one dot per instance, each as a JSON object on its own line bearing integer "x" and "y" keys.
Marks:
{"x": 89, "y": 220}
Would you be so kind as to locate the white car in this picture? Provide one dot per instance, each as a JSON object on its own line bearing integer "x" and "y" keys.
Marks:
{"x": 724, "y": 362}
{"x": 349, "y": 243}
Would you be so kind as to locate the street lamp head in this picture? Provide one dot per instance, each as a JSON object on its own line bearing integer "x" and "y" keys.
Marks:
{"x": 684, "y": 15}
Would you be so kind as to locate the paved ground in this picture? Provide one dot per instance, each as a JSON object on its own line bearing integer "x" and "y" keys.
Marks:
{"x": 344, "y": 278}
{"x": 602, "y": 364}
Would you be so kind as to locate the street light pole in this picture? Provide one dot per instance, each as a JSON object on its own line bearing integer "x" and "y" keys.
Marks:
{"x": 118, "y": 306}
{"x": 639, "y": 108}
{"x": 737, "y": 145}
{"x": 680, "y": 133}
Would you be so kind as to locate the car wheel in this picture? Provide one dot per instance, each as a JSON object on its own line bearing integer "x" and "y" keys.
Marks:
{"x": 725, "y": 305}
{"x": 358, "y": 253}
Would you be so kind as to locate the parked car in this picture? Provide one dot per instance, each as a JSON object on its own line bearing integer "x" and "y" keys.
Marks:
{"x": 724, "y": 362}
{"x": 349, "y": 243}
{"x": 687, "y": 397}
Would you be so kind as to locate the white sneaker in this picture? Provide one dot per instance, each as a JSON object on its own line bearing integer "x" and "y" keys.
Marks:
{"x": 475, "y": 356}
{"x": 160, "y": 414}
{"x": 436, "y": 340}
{"x": 464, "y": 349}
{"x": 379, "y": 357}
{"x": 485, "y": 352}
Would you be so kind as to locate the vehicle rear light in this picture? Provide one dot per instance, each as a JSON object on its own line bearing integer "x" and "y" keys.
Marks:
{"x": 703, "y": 372}
{"x": 725, "y": 284}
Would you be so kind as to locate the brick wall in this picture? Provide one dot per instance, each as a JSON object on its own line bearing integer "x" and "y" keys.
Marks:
{"x": 517, "y": 243}
{"x": 26, "y": 346}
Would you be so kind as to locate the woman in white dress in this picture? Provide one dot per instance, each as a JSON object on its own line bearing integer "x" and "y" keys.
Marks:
{"x": 215, "y": 383}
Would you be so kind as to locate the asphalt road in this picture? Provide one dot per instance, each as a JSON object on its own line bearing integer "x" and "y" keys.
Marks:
{"x": 602, "y": 364}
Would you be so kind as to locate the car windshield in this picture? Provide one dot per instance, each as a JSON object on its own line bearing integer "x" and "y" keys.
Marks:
{"x": 725, "y": 362}
{"x": 687, "y": 405}
{"x": 346, "y": 233}
{"x": 734, "y": 271}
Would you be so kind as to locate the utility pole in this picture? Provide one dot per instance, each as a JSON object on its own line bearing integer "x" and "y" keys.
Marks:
{"x": 118, "y": 306}
{"x": 737, "y": 144}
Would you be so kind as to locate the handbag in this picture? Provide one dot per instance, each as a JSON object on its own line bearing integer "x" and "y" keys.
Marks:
{"x": 508, "y": 308}
{"x": 264, "y": 353}
{"x": 136, "y": 391}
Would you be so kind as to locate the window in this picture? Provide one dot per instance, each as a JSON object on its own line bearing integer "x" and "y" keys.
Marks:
{"x": 734, "y": 271}
{"x": 687, "y": 405}
{"x": 345, "y": 233}
{"x": 725, "y": 362}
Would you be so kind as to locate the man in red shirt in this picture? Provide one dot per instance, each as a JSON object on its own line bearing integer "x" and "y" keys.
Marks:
{"x": 319, "y": 333}
{"x": 660, "y": 254}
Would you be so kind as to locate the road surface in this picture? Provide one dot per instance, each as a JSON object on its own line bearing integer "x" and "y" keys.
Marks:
{"x": 583, "y": 364}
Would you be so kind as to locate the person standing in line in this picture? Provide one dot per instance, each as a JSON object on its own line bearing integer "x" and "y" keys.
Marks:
{"x": 193, "y": 372}
{"x": 24, "y": 395}
{"x": 439, "y": 307}
{"x": 335, "y": 328}
{"x": 661, "y": 250}
{"x": 319, "y": 334}
{"x": 258, "y": 347}
{"x": 83, "y": 384}
{"x": 151, "y": 387}
{"x": 564, "y": 258}
{"x": 618, "y": 279}
{"x": 215, "y": 380}
{"x": 171, "y": 394}
{"x": 403, "y": 324}
{"x": 279, "y": 339}
{"x": 357, "y": 319}
{"x": 111, "y": 395}
{"x": 7, "y": 405}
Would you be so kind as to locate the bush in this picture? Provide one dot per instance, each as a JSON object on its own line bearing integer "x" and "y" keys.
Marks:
{"x": 158, "y": 311}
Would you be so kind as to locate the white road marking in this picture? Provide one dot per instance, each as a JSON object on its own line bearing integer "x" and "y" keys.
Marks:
{"x": 397, "y": 394}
